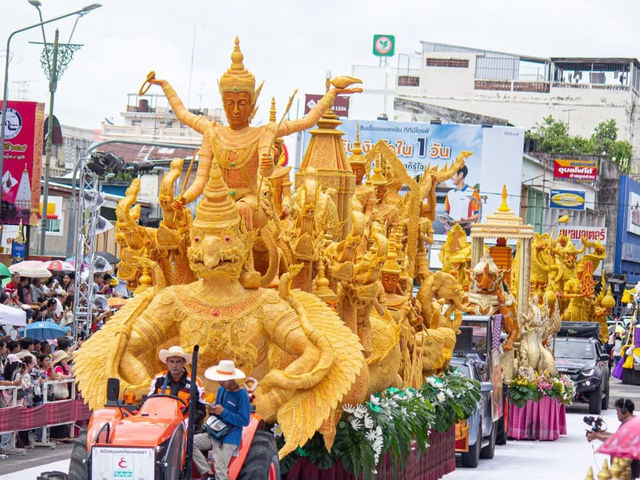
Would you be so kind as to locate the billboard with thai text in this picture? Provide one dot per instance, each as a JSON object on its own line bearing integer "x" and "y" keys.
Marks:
{"x": 578, "y": 170}
{"x": 496, "y": 160}
{"x": 22, "y": 162}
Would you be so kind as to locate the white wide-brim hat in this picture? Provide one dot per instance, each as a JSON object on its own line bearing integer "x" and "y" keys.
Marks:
{"x": 225, "y": 370}
{"x": 174, "y": 351}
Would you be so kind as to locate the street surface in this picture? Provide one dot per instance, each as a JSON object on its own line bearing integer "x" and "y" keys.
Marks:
{"x": 568, "y": 458}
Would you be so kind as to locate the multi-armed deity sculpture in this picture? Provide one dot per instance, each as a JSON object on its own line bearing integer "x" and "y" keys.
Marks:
{"x": 310, "y": 291}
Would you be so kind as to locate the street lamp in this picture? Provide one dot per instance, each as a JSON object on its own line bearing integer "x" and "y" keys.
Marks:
{"x": 3, "y": 119}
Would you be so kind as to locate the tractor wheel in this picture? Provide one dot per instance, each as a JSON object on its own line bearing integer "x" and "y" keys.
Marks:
{"x": 78, "y": 466}
{"x": 262, "y": 460}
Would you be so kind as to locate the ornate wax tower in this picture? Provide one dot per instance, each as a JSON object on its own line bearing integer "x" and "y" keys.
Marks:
{"x": 326, "y": 154}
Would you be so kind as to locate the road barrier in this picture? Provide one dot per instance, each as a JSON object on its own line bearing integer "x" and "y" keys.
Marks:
{"x": 15, "y": 418}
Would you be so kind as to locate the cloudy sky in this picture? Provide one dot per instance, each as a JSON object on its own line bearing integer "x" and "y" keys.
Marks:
{"x": 289, "y": 44}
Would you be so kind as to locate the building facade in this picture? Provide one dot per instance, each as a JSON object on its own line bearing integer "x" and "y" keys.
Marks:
{"x": 467, "y": 85}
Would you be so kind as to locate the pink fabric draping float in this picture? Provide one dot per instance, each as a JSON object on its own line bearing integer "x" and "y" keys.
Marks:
{"x": 542, "y": 420}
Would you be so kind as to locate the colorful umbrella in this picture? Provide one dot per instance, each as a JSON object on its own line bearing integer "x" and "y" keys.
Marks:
{"x": 625, "y": 443}
{"x": 59, "y": 266}
{"x": 31, "y": 269}
{"x": 44, "y": 330}
{"x": 4, "y": 270}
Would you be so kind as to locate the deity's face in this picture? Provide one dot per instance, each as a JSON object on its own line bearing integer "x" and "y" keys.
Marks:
{"x": 216, "y": 254}
{"x": 390, "y": 281}
{"x": 381, "y": 190}
{"x": 238, "y": 108}
{"x": 358, "y": 170}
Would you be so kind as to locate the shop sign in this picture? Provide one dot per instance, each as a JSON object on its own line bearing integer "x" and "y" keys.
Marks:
{"x": 567, "y": 199}
{"x": 578, "y": 170}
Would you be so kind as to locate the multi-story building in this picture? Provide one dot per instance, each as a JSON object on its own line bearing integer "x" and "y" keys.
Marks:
{"x": 469, "y": 85}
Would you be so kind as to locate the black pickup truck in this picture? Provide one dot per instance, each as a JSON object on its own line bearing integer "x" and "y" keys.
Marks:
{"x": 580, "y": 354}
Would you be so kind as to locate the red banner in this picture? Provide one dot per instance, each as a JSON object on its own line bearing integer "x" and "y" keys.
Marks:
{"x": 22, "y": 162}
{"x": 580, "y": 170}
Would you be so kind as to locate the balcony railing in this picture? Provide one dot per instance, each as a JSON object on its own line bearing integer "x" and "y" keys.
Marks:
{"x": 512, "y": 86}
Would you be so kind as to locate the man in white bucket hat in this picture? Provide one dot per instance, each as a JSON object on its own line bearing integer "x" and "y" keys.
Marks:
{"x": 232, "y": 407}
{"x": 176, "y": 380}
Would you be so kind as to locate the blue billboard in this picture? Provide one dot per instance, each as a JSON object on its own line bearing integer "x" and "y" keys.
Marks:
{"x": 496, "y": 158}
{"x": 627, "y": 260}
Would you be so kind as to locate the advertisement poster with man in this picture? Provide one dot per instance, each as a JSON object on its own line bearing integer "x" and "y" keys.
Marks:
{"x": 474, "y": 191}
{"x": 634, "y": 213}
{"x": 22, "y": 165}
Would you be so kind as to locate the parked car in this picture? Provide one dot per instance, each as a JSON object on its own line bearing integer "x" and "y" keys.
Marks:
{"x": 581, "y": 355}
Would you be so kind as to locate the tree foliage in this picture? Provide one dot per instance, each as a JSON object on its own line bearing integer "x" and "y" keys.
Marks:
{"x": 552, "y": 136}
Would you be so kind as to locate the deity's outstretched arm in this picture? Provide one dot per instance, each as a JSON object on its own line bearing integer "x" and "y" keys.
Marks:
{"x": 291, "y": 126}
{"x": 197, "y": 122}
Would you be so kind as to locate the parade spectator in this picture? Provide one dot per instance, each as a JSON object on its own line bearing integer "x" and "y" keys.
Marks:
{"x": 48, "y": 314}
{"x": 24, "y": 299}
{"x": 45, "y": 348}
{"x": 37, "y": 291}
{"x": 26, "y": 348}
{"x": 12, "y": 287}
{"x": 13, "y": 347}
{"x": 60, "y": 370}
{"x": 617, "y": 349}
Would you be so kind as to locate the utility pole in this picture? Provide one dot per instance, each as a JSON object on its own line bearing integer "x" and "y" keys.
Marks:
{"x": 53, "y": 84}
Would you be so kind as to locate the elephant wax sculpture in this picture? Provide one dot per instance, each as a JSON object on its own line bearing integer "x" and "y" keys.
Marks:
{"x": 306, "y": 359}
{"x": 244, "y": 153}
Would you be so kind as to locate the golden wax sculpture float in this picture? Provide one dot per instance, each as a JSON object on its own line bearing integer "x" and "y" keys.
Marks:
{"x": 309, "y": 291}
{"x": 544, "y": 284}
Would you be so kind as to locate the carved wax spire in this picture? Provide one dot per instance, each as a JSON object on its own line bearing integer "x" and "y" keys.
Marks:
{"x": 378, "y": 178}
{"x": 391, "y": 263}
{"x": 323, "y": 292}
{"x": 503, "y": 206}
{"x": 272, "y": 112}
{"x": 216, "y": 211}
{"x": 237, "y": 78}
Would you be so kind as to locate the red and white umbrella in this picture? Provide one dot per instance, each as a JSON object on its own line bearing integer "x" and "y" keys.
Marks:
{"x": 31, "y": 269}
{"x": 59, "y": 266}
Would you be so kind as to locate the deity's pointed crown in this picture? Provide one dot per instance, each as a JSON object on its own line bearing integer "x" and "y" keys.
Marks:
{"x": 216, "y": 212}
{"x": 237, "y": 78}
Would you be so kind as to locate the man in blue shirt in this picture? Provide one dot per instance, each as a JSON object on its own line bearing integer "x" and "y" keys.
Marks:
{"x": 232, "y": 407}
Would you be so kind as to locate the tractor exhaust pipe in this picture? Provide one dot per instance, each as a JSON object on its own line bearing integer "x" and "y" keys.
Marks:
{"x": 193, "y": 402}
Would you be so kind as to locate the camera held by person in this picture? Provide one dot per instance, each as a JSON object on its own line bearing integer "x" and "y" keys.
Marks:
{"x": 624, "y": 409}
{"x": 595, "y": 423}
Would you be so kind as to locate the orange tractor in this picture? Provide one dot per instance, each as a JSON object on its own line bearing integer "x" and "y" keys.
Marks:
{"x": 154, "y": 441}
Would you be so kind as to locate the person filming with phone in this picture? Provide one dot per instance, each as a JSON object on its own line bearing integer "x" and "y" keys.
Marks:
{"x": 223, "y": 429}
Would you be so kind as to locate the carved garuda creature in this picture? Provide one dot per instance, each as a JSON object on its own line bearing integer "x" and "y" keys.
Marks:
{"x": 310, "y": 357}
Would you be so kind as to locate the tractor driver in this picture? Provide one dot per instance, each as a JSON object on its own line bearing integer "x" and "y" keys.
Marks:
{"x": 176, "y": 380}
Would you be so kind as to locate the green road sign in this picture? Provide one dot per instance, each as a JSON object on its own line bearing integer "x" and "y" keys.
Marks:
{"x": 384, "y": 45}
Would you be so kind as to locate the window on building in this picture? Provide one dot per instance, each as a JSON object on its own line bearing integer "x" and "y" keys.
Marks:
{"x": 448, "y": 62}
{"x": 536, "y": 206}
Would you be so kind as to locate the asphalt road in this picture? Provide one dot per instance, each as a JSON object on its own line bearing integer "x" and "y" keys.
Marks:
{"x": 568, "y": 457}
